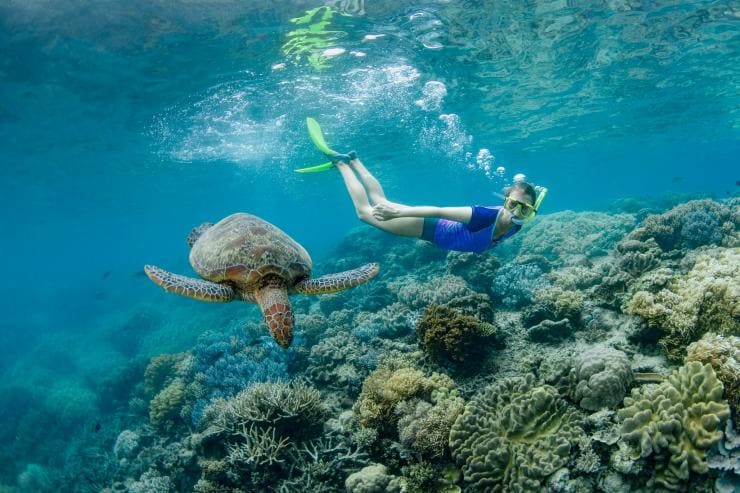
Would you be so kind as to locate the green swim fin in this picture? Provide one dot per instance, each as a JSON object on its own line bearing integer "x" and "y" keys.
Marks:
{"x": 314, "y": 169}
{"x": 317, "y": 137}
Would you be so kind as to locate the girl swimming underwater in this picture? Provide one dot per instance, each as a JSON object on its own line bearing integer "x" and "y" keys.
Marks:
{"x": 465, "y": 229}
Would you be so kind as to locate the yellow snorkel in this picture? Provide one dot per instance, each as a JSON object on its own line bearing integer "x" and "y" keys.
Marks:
{"x": 540, "y": 197}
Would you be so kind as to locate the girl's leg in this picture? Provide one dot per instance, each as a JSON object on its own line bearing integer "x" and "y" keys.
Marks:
{"x": 374, "y": 189}
{"x": 403, "y": 226}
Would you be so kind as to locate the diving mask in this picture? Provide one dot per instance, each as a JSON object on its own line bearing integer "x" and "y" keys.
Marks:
{"x": 525, "y": 212}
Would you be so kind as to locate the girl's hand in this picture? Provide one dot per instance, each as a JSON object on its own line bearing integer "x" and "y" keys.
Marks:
{"x": 384, "y": 212}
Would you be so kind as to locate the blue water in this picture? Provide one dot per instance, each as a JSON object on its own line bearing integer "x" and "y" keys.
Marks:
{"x": 123, "y": 124}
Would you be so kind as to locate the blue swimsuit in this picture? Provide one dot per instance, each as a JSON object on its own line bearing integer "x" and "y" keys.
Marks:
{"x": 475, "y": 236}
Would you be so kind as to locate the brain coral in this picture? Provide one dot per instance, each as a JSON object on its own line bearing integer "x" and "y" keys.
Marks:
{"x": 706, "y": 299}
{"x": 602, "y": 376}
{"x": 677, "y": 421}
{"x": 513, "y": 435}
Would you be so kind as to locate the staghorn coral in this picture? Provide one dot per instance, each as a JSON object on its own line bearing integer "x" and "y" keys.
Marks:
{"x": 513, "y": 435}
{"x": 677, "y": 421}
{"x": 706, "y": 299}
{"x": 723, "y": 353}
{"x": 386, "y": 387}
{"x": 692, "y": 224}
{"x": 601, "y": 376}
{"x": 292, "y": 409}
{"x": 445, "y": 334}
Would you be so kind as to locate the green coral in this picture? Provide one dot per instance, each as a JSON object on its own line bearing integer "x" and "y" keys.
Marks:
{"x": 513, "y": 435}
{"x": 445, "y": 334}
{"x": 164, "y": 409}
{"x": 163, "y": 369}
{"x": 386, "y": 387}
{"x": 723, "y": 353}
{"x": 677, "y": 421}
{"x": 706, "y": 299}
{"x": 553, "y": 303}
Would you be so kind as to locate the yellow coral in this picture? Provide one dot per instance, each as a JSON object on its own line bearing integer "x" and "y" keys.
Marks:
{"x": 723, "y": 353}
{"x": 705, "y": 299}
{"x": 385, "y": 388}
{"x": 164, "y": 410}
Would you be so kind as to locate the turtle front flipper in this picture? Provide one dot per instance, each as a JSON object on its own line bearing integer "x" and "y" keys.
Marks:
{"x": 275, "y": 304}
{"x": 331, "y": 283}
{"x": 187, "y": 286}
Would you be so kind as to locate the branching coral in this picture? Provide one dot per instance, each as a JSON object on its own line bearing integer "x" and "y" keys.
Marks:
{"x": 513, "y": 435}
{"x": 438, "y": 290}
{"x": 448, "y": 335}
{"x": 164, "y": 409}
{"x": 678, "y": 421}
{"x": 293, "y": 409}
{"x": 706, "y": 299}
{"x": 515, "y": 284}
{"x": 163, "y": 369}
{"x": 334, "y": 363}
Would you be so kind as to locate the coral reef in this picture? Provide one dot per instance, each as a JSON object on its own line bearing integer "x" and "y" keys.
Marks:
{"x": 513, "y": 435}
{"x": 447, "y": 335}
{"x": 548, "y": 331}
{"x": 692, "y": 224}
{"x": 438, "y": 290}
{"x": 165, "y": 407}
{"x": 706, "y": 299}
{"x": 601, "y": 376}
{"x": 677, "y": 421}
{"x": 515, "y": 284}
{"x": 425, "y": 427}
{"x": 553, "y": 303}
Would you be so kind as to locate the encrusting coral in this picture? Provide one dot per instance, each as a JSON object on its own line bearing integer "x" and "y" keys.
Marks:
{"x": 677, "y": 421}
{"x": 723, "y": 353}
{"x": 513, "y": 435}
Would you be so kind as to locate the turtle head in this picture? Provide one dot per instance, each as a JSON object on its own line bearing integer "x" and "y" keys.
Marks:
{"x": 275, "y": 304}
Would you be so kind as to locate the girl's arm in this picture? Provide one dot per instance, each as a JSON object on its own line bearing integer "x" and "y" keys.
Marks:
{"x": 390, "y": 210}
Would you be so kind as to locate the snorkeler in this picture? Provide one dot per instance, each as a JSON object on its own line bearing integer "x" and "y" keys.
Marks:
{"x": 465, "y": 229}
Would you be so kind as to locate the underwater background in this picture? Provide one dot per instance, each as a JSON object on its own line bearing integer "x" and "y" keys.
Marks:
{"x": 597, "y": 350}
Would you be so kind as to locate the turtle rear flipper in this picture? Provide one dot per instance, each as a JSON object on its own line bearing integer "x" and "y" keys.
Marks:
{"x": 196, "y": 233}
{"x": 331, "y": 283}
{"x": 275, "y": 305}
{"x": 187, "y": 286}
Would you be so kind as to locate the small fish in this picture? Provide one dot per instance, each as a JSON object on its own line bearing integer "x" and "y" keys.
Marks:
{"x": 97, "y": 427}
{"x": 100, "y": 295}
{"x": 106, "y": 274}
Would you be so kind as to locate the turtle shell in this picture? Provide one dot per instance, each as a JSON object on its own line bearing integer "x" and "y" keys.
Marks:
{"x": 243, "y": 249}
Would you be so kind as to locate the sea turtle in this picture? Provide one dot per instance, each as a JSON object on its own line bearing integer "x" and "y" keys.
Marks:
{"x": 243, "y": 257}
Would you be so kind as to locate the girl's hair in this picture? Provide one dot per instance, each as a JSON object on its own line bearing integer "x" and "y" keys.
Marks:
{"x": 525, "y": 188}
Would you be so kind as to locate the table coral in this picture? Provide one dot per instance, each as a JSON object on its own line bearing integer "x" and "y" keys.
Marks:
{"x": 513, "y": 435}
{"x": 677, "y": 421}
